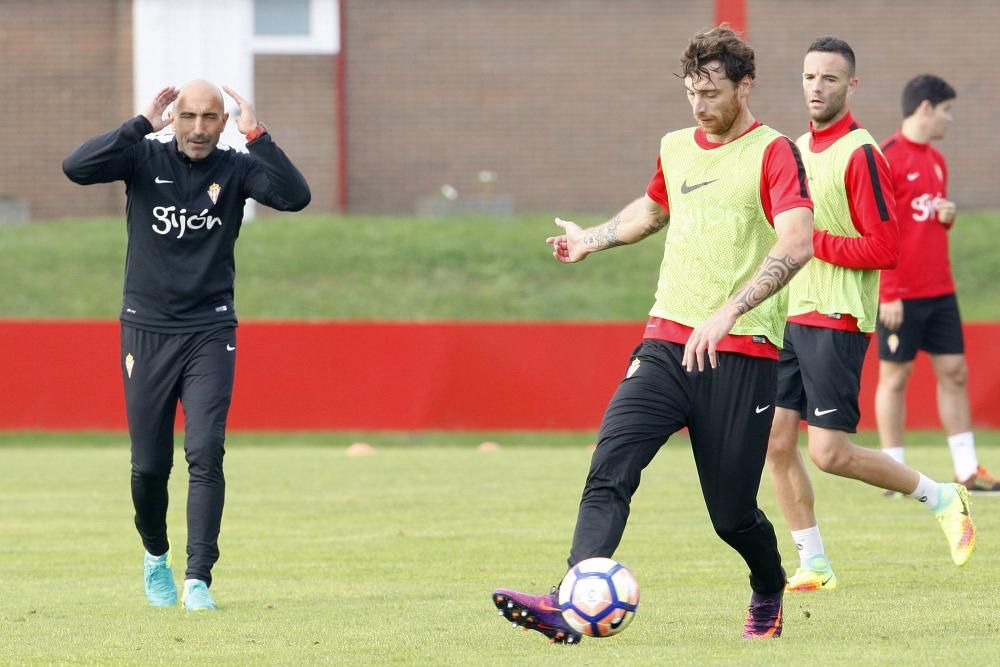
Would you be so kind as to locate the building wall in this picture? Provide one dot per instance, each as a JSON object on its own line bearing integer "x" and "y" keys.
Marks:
{"x": 65, "y": 75}
{"x": 565, "y": 99}
{"x": 296, "y": 99}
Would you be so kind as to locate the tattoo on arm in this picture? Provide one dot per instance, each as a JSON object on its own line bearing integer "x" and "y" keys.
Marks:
{"x": 604, "y": 236}
{"x": 772, "y": 275}
{"x": 654, "y": 225}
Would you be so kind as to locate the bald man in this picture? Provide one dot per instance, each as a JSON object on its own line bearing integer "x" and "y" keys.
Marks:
{"x": 185, "y": 200}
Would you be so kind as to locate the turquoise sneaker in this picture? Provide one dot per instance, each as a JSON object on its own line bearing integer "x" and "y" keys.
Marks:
{"x": 196, "y": 595}
{"x": 161, "y": 591}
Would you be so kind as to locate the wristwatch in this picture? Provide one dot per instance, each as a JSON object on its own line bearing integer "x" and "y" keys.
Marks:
{"x": 256, "y": 132}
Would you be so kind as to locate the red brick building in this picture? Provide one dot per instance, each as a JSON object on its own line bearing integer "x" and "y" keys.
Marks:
{"x": 565, "y": 100}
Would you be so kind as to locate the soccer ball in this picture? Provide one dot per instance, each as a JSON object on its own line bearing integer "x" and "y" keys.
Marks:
{"x": 598, "y": 597}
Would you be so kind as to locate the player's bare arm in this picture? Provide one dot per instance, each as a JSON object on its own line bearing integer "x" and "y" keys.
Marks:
{"x": 247, "y": 119}
{"x": 638, "y": 220}
{"x": 786, "y": 258}
{"x": 154, "y": 110}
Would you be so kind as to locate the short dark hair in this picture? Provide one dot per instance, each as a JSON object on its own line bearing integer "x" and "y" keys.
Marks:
{"x": 928, "y": 87}
{"x": 829, "y": 44}
{"x": 720, "y": 44}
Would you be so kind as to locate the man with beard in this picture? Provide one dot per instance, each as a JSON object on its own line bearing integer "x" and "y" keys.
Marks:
{"x": 740, "y": 226}
{"x": 832, "y": 313}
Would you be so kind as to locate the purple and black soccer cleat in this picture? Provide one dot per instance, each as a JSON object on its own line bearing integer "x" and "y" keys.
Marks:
{"x": 536, "y": 612}
{"x": 763, "y": 617}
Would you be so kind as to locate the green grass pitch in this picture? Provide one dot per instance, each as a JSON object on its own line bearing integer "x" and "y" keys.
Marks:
{"x": 390, "y": 559}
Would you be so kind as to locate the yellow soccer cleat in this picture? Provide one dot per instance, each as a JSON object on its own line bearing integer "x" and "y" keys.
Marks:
{"x": 956, "y": 522}
{"x": 816, "y": 575}
{"x": 811, "y": 580}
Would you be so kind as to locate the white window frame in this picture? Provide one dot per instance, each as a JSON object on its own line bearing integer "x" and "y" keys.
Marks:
{"x": 323, "y": 37}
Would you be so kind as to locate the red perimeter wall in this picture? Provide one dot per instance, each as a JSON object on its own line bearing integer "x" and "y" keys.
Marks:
{"x": 396, "y": 376}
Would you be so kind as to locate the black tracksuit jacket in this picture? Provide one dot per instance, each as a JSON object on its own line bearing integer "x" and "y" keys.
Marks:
{"x": 183, "y": 218}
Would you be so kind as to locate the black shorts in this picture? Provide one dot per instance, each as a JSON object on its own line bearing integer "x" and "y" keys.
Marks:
{"x": 932, "y": 325}
{"x": 819, "y": 374}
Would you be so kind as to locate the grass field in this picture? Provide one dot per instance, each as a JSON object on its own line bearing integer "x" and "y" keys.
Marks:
{"x": 312, "y": 267}
{"x": 390, "y": 559}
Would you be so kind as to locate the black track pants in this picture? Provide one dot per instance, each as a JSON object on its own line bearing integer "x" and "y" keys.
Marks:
{"x": 197, "y": 370}
{"x": 728, "y": 412}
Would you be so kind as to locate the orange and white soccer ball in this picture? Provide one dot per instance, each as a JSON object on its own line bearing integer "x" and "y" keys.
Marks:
{"x": 599, "y": 597}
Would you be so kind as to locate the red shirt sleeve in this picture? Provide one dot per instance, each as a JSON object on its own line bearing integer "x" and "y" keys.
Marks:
{"x": 657, "y": 188}
{"x": 888, "y": 281}
{"x": 872, "y": 204}
{"x": 783, "y": 184}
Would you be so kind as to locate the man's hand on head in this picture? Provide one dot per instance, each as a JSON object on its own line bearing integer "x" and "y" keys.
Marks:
{"x": 158, "y": 105}
{"x": 247, "y": 119}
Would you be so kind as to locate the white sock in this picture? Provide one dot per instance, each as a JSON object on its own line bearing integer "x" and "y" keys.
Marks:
{"x": 809, "y": 543}
{"x": 963, "y": 455}
{"x": 895, "y": 452}
{"x": 926, "y": 492}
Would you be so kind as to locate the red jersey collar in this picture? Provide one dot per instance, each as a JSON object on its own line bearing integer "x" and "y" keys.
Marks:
{"x": 826, "y": 136}
{"x": 703, "y": 141}
{"x": 910, "y": 143}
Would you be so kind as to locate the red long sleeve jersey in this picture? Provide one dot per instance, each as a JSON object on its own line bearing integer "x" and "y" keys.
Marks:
{"x": 920, "y": 179}
{"x": 873, "y": 213}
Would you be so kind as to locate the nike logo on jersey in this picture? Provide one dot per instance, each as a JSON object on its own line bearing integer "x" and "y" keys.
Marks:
{"x": 161, "y": 180}
{"x": 231, "y": 348}
{"x": 820, "y": 413}
{"x": 685, "y": 188}
{"x": 914, "y": 176}
{"x": 759, "y": 409}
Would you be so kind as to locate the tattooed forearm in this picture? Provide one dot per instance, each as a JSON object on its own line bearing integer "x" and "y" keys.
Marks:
{"x": 653, "y": 225}
{"x": 603, "y": 236}
{"x": 772, "y": 275}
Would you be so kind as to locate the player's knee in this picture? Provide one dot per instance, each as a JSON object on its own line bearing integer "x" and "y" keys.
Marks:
{"x": 955, "y": 375}
{"x": 151, "y": 469}
{"x": 204, "y": 454}
{"x": 731, "y": 528}
{"x": 830, "y": 458}
{"x": 895, "y": 378}
{"x": 783, "y": 440}
{"x": 781, "y": 448}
